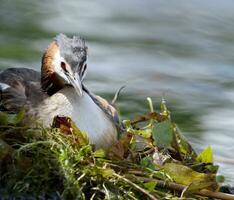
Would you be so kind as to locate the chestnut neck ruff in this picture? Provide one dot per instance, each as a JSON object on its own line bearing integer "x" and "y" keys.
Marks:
{"x": 50, "y": 83}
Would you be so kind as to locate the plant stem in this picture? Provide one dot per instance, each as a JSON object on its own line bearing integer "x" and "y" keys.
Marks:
{"x": 135, "y": 186}
{"x": 153, "y": 115}
{"x": 180, "y": 188}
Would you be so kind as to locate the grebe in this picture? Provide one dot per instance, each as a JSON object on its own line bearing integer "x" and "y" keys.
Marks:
{"x": 59, "y": 90}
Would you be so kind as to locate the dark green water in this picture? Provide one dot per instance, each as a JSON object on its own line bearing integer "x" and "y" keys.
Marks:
{"x": 183, "y": 50}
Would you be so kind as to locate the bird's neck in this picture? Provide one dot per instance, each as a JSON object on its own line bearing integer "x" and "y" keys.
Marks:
{"x": 50, "y": 83}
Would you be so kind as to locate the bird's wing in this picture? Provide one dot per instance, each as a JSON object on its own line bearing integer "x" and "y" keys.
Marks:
{"x": 19, "y": 87}
{"x": 110, "y": 111}
{"x": 108, "y": 107}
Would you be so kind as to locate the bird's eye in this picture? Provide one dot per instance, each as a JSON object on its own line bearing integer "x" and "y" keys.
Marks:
{"x": 63, "y": 66}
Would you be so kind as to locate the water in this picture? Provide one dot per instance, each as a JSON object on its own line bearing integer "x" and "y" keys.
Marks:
{"x": 180, "y": 49}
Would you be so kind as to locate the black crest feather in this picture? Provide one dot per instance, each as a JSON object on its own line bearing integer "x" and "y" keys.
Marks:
{"x": 73, "y": 50}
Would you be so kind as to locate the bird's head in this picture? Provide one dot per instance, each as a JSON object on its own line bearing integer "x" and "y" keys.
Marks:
{"x": 64, "y": 63}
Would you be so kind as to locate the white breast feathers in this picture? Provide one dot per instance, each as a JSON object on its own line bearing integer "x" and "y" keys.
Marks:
{"x": 87, "y": 115}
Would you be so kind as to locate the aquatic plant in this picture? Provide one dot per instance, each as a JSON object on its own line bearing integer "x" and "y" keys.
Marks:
{"x": 151, "y": 160}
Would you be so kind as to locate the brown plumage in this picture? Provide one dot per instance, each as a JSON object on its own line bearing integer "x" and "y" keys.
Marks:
{"x": 49, "y": 81}
{"x": 43, "y": 94}
{"x": 24, "y": 87}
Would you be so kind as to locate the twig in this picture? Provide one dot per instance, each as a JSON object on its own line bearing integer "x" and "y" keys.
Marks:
{"x": 180, "y": 188}
{"x": 106, "y": 192}
{"x": 153, "y": 115}
{"x": 136, "y": 186}
{"x": 218, "y": 195}
{"x": 93, "y": 196}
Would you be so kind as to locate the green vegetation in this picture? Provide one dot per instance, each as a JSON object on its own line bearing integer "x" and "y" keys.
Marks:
{"x": 152, "y": 160}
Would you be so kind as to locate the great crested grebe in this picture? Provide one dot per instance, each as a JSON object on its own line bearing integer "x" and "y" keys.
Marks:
{"x": 58, "y": 90}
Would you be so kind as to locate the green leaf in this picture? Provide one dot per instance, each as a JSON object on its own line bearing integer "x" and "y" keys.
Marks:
{"x": 163, "y": 134}
{"x": 184, "y": 175}
{"x": 19, "y": 117}
{"x": 106, "y": 173}
{"x": 100, "y": 153}
{"x": 206, "y": 156}
{"x": 148, "y": 162}
{"x": 146, "y": 133}
{"x": 3, "y": 118}
{"x": 212, "y": 168}
{"x": 182, "y": 146}
{"x": 220, "y": 178}
{"x": 95, "y": 171}
{"x": 150, "y": 185}
{"x": 198, "y": 185}
{"x": 12, "y": 119}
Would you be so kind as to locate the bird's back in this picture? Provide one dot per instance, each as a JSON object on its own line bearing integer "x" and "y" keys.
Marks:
{"x": 19, "y": 87}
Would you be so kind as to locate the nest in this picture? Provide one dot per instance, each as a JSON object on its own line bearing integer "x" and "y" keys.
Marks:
{"x": 151, "y": 160}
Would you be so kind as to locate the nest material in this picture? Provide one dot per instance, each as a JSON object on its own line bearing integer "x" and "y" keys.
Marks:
{"x": 151, "y": 160}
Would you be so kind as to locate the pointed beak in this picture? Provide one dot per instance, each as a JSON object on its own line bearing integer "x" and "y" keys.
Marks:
{"x": 76, "y": 83}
